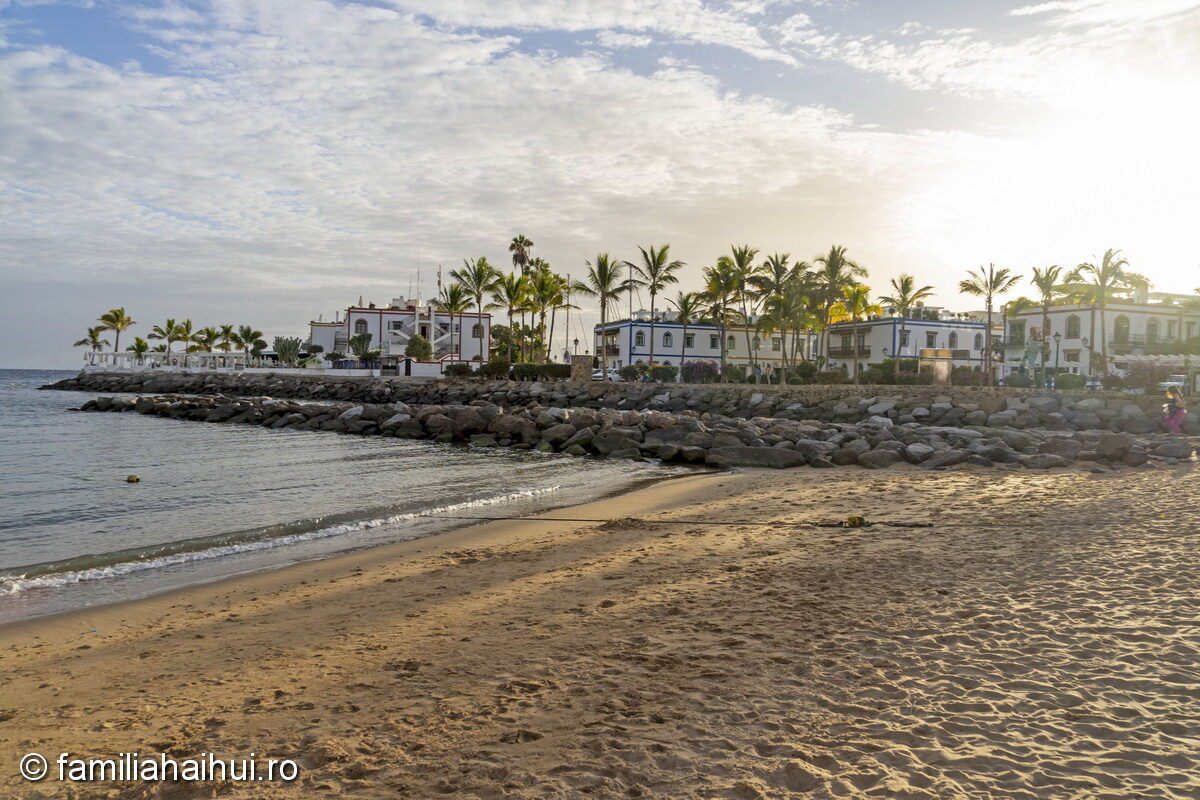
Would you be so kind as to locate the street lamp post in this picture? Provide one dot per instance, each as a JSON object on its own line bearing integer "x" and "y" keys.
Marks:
{"x": 884, "y": 350}
{"x": 576, "y": 347}
{"x": 1089, "y": 356}
{"x": 1057, "y": 340}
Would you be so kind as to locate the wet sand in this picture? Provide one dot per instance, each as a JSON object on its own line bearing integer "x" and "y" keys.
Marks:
{"x": 1040, "y": 640}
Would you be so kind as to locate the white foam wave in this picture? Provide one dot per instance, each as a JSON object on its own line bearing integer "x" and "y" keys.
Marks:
{"x": 16, "y": 585}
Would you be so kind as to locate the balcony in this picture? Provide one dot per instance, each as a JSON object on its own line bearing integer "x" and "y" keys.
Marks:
{"x": 849, "y": 352}
{"x": 612, "y": 350}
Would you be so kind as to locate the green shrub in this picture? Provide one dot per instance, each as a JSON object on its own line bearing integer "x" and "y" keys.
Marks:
{"x": 1069, "y": 380}
{"x": 541, "y": 372}
{"x": 496, "y": 368}
{"x": 664, "y": 373}
{"x": 831, "y": 376}
{"x": 802, "y": 372}
{"x": 630, "y": 372}
{"x": 967, "y": 376}
{"x": 556, "y": 372}
{"x": 734, "y": 373}
{"x": 1112, "y": 382}
{"x": 1017, "y": 380}
{"x": 700, "y": 372}
{"x": 418, "y": 347}
{"x": 458, "y": 371}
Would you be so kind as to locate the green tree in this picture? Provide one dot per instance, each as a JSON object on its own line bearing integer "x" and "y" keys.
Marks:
{"x": 116, "y": 320}
{"x": 1048, "y": 283}
{"x": 167, "y": 333}
{"x": 205, "y": 340}
{"x": 855, "y": 306}
{"x": 139, "y": 348}
{"x": 988, "y": 284}
{"x": 287, "y": 349}
{"x": 905, "y": 296}
{"x": 687, "y": 307}
{"x": 545, "y": 292}
{"x": 834, "y": 272}
{"x": 478, "y": 278}
{"x": 655, "y": 272}
{"x": 741, "y": 260}
{"x": 720, "y": 287}
{"x": 93, "y": 341}
{"x": 360, "y": 345}
{"x": 519, "y": 249}
{"x": 418, "y": 347}
{"x": 510, "y": 293}
{"x": 228, "y": 333}
{"x": 250, "y": 341}
{"x": 605, "y": 281}
{"x": 454, "y": 301}
{"x": 1108, "y": 277}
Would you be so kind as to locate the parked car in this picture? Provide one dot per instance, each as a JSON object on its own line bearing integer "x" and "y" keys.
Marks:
{"x": 1174, "y": 380}
{"x": 599, "y": 375}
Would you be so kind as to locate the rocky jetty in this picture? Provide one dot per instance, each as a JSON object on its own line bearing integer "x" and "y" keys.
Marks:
{"x": 685, "y": 436}
{"x": 1022, "y": 409}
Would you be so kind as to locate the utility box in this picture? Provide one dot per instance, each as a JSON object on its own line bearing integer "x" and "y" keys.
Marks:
{"x": 942, "y": 362}
{"x": 581, "y": 368}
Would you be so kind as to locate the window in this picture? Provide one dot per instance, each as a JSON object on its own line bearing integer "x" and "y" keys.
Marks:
{"x": 904, "y": 338}
{"x": 394, "y": 325}
{"x": 1172, "y": 334}
{"x": 1072, "y": 356}
{"x": 1073, "y": 327}
{"x": 1151, "y": 331}
{"x": 776, "y": 345}
{"x": 1016, "y": 333}
{"x": 639, "y": 339}
{"x": 845, "y": 341}
{"x": 668, "y": 340}
{"x": 755, "y": 343}
{"x": 862, "y": 341}
{"x": 477, "y": 331}
{"x": 689, "y": 341}
{"x": 931, "y": 339}
{"x": 714, "y": 342}
{"x": 731, "y": 344}
{"x": 1191, "y": 330}
{"x": 1121, "y": 330}
{"x": 360, "y": 326}
{"x": 979, "y": 341}
{"x": 953, "y": 340}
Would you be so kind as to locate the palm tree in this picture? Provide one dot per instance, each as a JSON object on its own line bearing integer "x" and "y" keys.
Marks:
{"x": 228, "y": 333}
{"x": 165, "y": 332}
{"x": 834, "y": 273}
{"x": 720, "y": 287}
{"x": 116, "y": 320}
{"x": 545, "y": 292}
{"x": 562, "y": 303}
{"x": 605, "y": 282}
{"x": 1106, "y": 278}
{"x": 987, "y": 285}
{"x": 205, "y": 340}
{"x": 250, "y": 340}
{"x": 519, "y": 247}
{"x": 741, "y": 263}
{"x": 93, "y": 341}
{"x": 655, "y": 273}
{"x": 478, "y": 277}
{"x": 904, "y": 297}
{"x": 1047, "y": 281}
{"x": 455, "y": 301}
{"x": 855, "y": 305}
{"x": 687, "y": 307}
{"x": 790, "y": 310}
{"x": 139, "y": 348}
{"x": 509, "y": 293}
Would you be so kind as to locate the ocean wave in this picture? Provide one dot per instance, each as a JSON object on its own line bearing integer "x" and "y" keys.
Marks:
{"x": 126, "y": 562}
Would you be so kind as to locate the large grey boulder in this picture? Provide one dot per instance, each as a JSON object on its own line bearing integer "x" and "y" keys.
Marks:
{"x": 1062, "y": 446}
{"x": 558, "y": 434}
{"x": 1174, "y": 448}
{"x": 612, "y": 439}
{"x": 879, "y": 459}
{"x": 918, "y": 452}
{"x": 743, "y": 456}
{"x": 946, "y": 458}
{"x": 1114, "y": 446}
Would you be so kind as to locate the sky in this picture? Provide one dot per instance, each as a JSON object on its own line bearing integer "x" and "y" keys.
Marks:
{"x": 266, "y": 161}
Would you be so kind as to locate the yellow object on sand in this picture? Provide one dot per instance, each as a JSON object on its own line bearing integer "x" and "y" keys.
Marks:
{"x": 855, "y": 521}
{"x": 134, "y": 479}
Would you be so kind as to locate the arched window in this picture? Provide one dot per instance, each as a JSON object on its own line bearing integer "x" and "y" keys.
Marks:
{"x": 1073, "y": 327}
{"x": 667, "y": 340}
{"x": 477, "y": 331}
{"x": 360, "y": 326}
{"x": 1151, "y": 330}
{"x": 979, "y": 341}
{"x": 731, "y": 344}
{"x": 1121, "y": 329}
{"x": 953, "y": 340}
{"x": 640, "y": 339}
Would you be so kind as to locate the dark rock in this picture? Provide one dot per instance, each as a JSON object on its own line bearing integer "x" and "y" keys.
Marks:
{"x": 879, "y": 459}
{"x": 743, "y": 456}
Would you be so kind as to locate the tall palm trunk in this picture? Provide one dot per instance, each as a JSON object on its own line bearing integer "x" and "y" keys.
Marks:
{"x": 899, "y": 349}
{"x": 550, "y": 337}
{"x": 988, "y": 344}
{"x": 483, "y": 357}
{"x": 1045, "y": 343}
{"x": 602, "y": 348}
{"x": 855, "y": 329}
{"x": 749, "y": 350}
{"x": 652, "y": 329}
{"x": 724, "y": 343}
{"x": 683, "y": 351}
{"x": 1103, "y": 335}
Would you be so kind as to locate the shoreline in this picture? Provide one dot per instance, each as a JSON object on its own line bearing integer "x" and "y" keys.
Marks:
{"x": 457, "y": 535}
{"x": 217, "y": 581}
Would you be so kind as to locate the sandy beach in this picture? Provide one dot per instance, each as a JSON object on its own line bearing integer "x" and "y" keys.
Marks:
{"x": 1039, "y": 640}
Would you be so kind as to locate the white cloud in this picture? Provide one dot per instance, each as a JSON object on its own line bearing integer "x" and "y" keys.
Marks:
{"x": 616, "y": 39}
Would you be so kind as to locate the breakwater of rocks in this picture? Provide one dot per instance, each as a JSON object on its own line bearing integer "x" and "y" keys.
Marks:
{"x": 683, "y": 437}
{"x": 1022, "y": 409}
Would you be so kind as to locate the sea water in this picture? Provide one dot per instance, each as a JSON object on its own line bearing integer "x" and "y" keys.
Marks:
{"x": 221, "y": 500}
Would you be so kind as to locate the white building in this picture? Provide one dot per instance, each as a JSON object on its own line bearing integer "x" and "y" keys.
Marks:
{"x": 641, "y": 341}
{"x": 892, "y": 337}
{"x": 392, "y": 327}
{"x": 1078, "y": 338}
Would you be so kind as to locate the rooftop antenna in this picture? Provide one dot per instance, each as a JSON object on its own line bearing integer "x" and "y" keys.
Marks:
{"x": 418, "y": 286}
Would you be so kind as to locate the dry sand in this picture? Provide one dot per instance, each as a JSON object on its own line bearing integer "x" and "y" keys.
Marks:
{"x": 1042, "y": 640}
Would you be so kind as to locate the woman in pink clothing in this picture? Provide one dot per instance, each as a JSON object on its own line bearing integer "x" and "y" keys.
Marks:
{"x": 1174, "y": 410}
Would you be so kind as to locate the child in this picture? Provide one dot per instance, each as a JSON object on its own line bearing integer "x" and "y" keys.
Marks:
{"x": 1173, "y": 410}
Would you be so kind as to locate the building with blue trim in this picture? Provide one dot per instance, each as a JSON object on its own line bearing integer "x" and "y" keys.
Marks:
{"x": 877, "y": 340}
